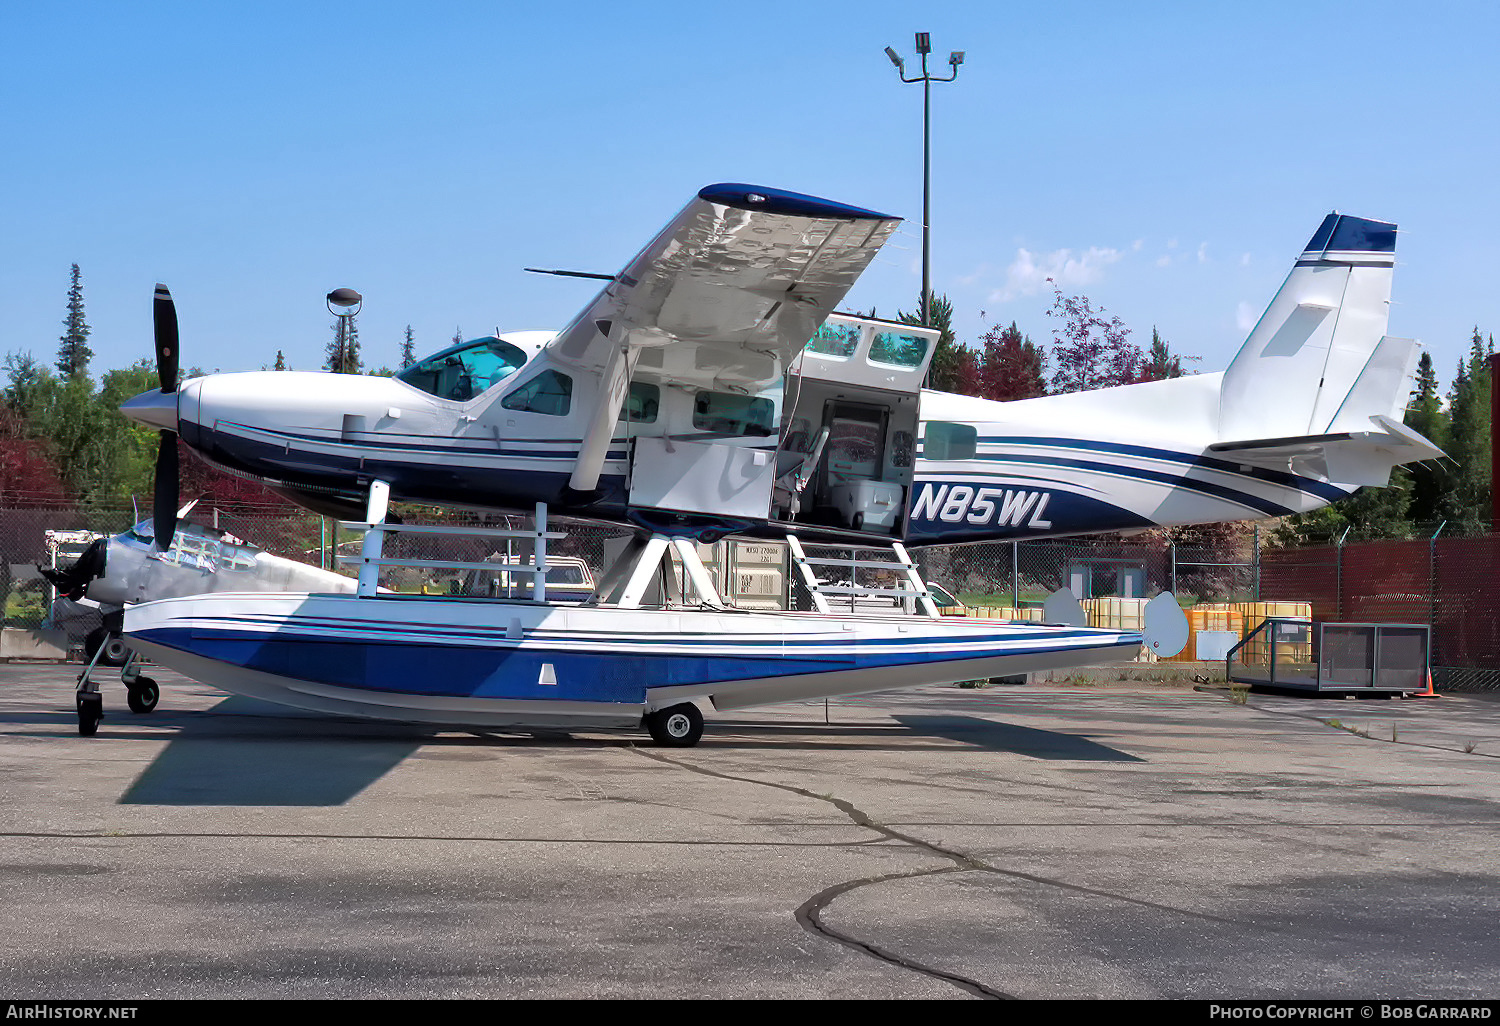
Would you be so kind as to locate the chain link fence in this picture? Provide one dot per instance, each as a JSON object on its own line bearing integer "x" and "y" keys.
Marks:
{"x": 1015, "y": 574}
{"x": 1023, "y": 574}
{"x": 1446, "y": 583}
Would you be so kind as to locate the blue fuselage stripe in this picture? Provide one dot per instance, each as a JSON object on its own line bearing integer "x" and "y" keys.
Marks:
{"x": 1318, "y": 488}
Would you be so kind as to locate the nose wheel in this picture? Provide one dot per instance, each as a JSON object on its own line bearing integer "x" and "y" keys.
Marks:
{"x": 678, "y": 726}
{"x": 142, "y": 693}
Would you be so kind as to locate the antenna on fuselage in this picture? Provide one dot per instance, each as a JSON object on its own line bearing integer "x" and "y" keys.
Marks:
{"x": 571, "y": 274}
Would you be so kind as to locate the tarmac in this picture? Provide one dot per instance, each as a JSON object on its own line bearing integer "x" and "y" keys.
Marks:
{"x": 1035, "y": 841}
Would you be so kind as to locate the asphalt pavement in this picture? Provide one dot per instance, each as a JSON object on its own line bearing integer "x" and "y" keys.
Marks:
{"x": 1027, "y": 842}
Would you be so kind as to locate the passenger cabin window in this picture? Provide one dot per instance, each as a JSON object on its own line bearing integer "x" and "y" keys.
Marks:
{"x": 835, "y": 340}
{"x": 642, "y": 404}
{"x": 728, "y": 413}
{"x": 549, "y": 392}
{"x": 944, "y": 441}
{"x": 464, "y": 371}
{"x": 898, "y": 350}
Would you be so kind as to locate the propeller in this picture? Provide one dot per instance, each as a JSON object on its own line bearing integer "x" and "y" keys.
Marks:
{"x": 164, "y": 515}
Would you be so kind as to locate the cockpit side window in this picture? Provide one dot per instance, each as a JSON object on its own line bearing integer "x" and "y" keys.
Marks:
{"x": 464, "y": 371}
{"x": 549, "y": 392}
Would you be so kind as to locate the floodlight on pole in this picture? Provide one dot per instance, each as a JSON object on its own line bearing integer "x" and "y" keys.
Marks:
{"x": 924, "y": 47}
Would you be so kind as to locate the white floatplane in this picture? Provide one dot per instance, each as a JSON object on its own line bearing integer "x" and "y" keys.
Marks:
{"x": 709, "y": 390}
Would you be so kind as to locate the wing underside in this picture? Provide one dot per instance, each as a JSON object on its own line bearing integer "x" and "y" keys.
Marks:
{"x": 744, "y": 275}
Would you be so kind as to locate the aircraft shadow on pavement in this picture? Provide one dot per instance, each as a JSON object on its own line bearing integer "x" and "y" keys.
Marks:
{"x": 241, "y": 754}
{"x": 1009, "y": 737}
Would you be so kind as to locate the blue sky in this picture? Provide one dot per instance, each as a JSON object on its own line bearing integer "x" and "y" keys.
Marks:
{"x": 1167, "y": 160}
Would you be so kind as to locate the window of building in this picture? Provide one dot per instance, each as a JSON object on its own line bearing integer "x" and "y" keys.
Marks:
{"x": 549, "y": 392}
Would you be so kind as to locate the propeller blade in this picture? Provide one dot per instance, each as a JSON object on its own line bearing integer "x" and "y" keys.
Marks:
{"x": 164, "y": 514}
{"x": 164, "y": 314}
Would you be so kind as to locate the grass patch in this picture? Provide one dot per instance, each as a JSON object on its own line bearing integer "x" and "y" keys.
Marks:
{"x": 1340, "y": 725}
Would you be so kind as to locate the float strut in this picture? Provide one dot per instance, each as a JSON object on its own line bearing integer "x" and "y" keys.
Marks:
{"x": 369, "y": 567}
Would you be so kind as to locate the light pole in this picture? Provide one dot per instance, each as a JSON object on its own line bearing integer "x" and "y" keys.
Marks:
{"x": 348, "y": 302}
{"x": 924, "y": 47}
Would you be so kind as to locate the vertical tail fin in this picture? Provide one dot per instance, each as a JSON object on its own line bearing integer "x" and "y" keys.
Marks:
{"x": 1319, "y": 352}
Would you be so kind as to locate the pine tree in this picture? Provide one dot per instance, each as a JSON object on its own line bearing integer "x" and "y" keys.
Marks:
{"x": 408, "y": 349}
{"x": 1161, "y": 362}
{"x": 1466, "y": 502}
{"x": 74, "y": 354}
{"x": 343, "y": 348}
{"x": 1424, "y": 414}
{"x": 280, "y": 361}
{"x": 942, "y": 371}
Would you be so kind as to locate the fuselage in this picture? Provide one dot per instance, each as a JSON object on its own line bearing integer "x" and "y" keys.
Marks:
{"x": 983, "y": 470}
{"x": 199, "y": 560}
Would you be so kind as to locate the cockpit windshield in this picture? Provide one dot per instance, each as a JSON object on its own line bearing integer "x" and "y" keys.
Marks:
{"x": 466, "y": 370}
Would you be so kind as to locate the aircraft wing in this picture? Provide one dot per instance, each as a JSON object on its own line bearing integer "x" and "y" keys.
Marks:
{"x": 747, "y": 274}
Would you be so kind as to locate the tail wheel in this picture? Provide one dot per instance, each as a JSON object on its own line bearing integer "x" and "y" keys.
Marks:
{"x": 679, "y": 726}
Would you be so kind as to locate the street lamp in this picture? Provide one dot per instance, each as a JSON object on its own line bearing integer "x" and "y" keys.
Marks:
{"x": 348, "y": 302}
{"x": 924, "y": 47}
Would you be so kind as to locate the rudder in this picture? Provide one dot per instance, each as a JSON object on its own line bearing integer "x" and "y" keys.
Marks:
{"x": 1302, "y": 360}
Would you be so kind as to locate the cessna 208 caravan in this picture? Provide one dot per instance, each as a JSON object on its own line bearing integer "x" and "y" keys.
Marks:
{"x": 710, "y": 389}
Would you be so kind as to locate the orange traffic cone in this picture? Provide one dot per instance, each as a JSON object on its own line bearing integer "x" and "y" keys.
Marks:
{"x": 1429, "y": 693}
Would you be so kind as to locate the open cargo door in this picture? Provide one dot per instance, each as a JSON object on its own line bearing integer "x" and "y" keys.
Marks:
{"x": 830, "y": 442}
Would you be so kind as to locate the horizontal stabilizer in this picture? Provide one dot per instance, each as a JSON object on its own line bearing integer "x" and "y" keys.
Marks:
{"x": 1353, "y": 458}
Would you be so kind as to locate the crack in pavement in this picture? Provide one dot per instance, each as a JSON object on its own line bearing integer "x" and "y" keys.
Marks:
{"x": 809, "y": 914}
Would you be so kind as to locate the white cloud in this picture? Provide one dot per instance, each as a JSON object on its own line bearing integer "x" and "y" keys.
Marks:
{"x": 1245, "y": 316}
{"x": 1245, "y": 260}
{"x": 1171, "y": 243}
{"x": 1203, "y": 252}
{"x": 1028, "y": 272}
{"x": 1163, "y": 261}
{"x": 1137, "y": 244}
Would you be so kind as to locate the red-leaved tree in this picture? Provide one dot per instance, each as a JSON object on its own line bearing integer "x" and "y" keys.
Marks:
{"x": 28, "y": 475}
{"x": 1089, "y": 351}
{"x": 1012, "y": 366}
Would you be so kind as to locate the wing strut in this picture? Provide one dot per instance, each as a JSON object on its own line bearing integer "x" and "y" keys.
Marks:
{"x": 614, "y": 383}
